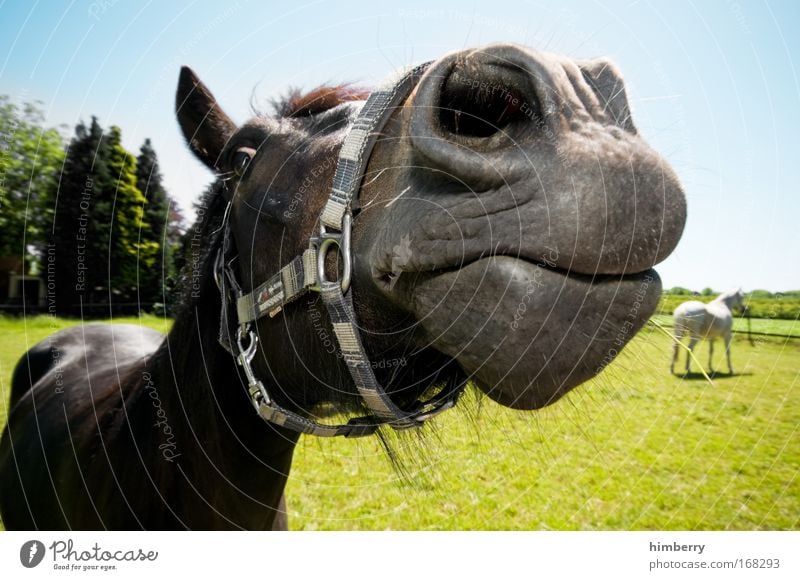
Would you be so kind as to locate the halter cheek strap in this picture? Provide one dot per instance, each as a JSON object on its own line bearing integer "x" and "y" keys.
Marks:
{"x": 307, "y": 272}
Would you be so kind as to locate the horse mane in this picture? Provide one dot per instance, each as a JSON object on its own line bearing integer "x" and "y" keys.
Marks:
{"x": 191, "y": 349}
{"x": 203, "y": 239}
{"x": 323, "y": 98}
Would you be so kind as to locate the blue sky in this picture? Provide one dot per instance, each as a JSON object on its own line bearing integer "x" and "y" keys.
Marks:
{"x": 714, "y": 86}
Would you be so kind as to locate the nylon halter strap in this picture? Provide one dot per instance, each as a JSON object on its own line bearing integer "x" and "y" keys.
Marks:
{"x": 307, "y": 272}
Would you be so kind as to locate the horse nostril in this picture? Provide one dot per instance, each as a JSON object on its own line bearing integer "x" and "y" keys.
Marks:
{"x": 481, "y": 100}
{"x": 473, "y": 110}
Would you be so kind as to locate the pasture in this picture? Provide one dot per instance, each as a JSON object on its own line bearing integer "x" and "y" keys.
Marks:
{"x": 635, "y": 448}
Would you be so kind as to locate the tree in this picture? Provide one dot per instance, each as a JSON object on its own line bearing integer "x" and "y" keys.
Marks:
{"x": 706, "y": 292}
{"x": 79, "y": 237}
{"x": 106, "y": 235}
{"x": 163, "y": 221}
{"x": 99, "y": 236}
{"x": 30, "y": 160}
{"x": 131, "y": 247}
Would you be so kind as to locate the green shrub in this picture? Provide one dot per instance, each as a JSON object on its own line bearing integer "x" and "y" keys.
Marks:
{"x": 787, "y": 307}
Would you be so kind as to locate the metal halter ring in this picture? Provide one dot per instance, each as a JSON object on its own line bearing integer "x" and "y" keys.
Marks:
{"x": 341, "y": 240}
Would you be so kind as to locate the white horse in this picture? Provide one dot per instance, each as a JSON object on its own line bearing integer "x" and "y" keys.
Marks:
{"x": 706, "y": 321}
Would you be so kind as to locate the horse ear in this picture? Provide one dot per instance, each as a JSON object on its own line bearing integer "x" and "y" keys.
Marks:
{"x": 205, "y": 125}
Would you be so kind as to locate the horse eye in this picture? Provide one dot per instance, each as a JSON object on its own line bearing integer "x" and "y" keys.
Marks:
{"x": 241, "y": 159}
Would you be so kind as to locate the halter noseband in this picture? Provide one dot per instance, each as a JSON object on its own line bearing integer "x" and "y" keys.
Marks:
{"x": 307, "y": 272}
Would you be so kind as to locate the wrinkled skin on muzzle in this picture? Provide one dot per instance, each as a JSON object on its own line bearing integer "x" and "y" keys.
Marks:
{"x": 514, "y": 213}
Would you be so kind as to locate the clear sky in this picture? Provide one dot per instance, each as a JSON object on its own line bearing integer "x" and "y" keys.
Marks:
{"x": 713, "y": 84}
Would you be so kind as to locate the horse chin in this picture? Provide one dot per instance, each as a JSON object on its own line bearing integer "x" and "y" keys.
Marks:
{"x": 527, "y": 334}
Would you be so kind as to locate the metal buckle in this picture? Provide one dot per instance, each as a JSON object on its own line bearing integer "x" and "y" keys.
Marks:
{"x": 341, "y": 240}
{"x": 254, "y": 386}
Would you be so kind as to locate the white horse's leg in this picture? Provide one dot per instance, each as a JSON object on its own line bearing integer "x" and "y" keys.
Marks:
{"x": 692, "y": 344}
{"x": 711, "y": 356}
{"x": 675, "y": 348}
{"x": 728, "y": 336}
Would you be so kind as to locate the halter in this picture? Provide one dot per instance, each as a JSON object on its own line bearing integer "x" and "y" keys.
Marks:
{"x": 307, "y": 273}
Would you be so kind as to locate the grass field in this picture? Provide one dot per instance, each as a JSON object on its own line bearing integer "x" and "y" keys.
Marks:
{"x": 635, "y": 448}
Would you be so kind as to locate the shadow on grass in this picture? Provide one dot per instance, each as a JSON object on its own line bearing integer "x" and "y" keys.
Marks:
{"x": 715, "y": 375}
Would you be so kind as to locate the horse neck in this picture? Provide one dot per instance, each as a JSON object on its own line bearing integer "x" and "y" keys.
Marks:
{"x": 202, "y": 369}
{"x": 230, "y": 457}
{"x": 727, "y": 299}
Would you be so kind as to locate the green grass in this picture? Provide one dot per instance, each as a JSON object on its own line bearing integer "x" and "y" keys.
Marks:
{"x": 635, "y": 448}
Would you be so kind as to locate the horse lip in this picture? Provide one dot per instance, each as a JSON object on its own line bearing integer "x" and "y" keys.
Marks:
{"x": 547, "y": 260}
{"x": 572, "y": 326}
{"x": 389, "y": 278}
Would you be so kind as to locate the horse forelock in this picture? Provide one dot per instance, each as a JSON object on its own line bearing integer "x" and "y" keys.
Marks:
{"x": 318, "y": 100}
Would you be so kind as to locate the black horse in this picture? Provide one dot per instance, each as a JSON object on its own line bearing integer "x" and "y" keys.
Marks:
{"x": 503, "y": 235}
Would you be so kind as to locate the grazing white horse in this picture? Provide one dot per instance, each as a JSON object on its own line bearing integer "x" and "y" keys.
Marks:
{"x": 706, "y": 321}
